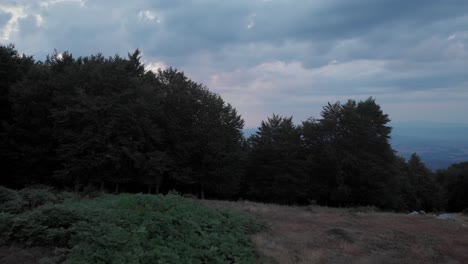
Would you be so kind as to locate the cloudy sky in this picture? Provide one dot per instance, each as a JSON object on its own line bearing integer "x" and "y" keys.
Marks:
{"x": 273, "y": 56}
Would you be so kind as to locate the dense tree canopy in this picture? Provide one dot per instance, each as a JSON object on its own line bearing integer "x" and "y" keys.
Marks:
{"x": 455, "y": 185}
{"x": 350, "y": 156}
{"x": 97, "y": 123}
{"x": 276, "y": 166}
{"x": 203, "y": 135}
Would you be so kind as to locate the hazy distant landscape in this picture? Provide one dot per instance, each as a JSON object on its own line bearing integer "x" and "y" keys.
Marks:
{"x": 438, "y": 144}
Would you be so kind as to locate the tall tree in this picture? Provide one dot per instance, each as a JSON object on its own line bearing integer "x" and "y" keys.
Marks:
{"x": 104, "y": 122}
{"x": 351, "y": 155}
{"x": 203, "y": 135}
{"x": 454, "y": 180}
{"x": 427, "y": 192}
{"x": 13, "y": 69}
{"x": 275, "y": 171}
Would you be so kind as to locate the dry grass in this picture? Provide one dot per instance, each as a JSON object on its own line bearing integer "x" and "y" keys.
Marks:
{"x": 317, "y": 234}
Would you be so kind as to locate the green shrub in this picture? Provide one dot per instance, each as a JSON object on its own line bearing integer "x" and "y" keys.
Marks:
{"x": 15, "y": 202}
{"x": 135, "y": 229}
{"x": 46, "y": 225}
{"x": 36, "y": 196}
{"x": 11, "y": 201}
{"x": 63, "y": 196}
{"x": 149, "y": 229}
{"x": 6, "y": 221}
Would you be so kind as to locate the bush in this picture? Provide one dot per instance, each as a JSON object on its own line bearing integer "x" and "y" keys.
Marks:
{"x": 36, "y": 196}
{"x": 135, "y": 229}
{"x": 6, "y": 223}
{"x": 64, "y": 196}
{"x": 49, "y": 225}
{"x": 11, "y": 201}
{"x": 149, "y": 229}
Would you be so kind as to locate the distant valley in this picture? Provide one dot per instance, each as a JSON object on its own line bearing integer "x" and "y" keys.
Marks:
{"x": 438, "y": 144}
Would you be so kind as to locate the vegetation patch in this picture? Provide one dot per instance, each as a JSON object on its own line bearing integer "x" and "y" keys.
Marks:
{"x": 134, "y": 229}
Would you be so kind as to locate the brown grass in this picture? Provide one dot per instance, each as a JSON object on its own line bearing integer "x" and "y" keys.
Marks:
{"x": 317, "y": 234}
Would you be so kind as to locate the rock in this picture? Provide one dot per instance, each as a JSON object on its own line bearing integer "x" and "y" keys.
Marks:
{"x": 422, "y": 212}
{"x": 447, "y": 217}
{"x": 414, "y": 213}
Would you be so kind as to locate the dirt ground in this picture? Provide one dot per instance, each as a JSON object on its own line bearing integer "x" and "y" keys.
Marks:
{"x": 317, "y": 234}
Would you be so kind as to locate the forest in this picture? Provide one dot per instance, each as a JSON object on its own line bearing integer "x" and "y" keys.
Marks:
{"x": 95, "y": 123}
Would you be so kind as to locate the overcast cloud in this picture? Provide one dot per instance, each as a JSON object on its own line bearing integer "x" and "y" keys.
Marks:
{"x": 273, "y": 56}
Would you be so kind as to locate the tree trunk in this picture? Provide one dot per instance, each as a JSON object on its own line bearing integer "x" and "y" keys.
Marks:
{"x": 157, "y": 188}
{"x": 117, "y": 188}
{"x": 149, "y": 188}
{"x": 101, "y": 189}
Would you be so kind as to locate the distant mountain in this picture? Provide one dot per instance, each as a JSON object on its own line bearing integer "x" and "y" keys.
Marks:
{"x": 438, "y": 144}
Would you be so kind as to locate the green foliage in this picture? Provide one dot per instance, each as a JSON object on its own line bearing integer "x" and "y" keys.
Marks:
{"x": 107, "y": 122}
{"x": 13, "y": 68}
{"x": 35, "y": 197}
{"x": 454, "y": 181}
{"x": 135, "y": 229}
{"x": 46, "y": 225}
{"x": 349, "y": 157}
{"x": 6, "y": 224}
{"x": 11, "y": 201}
{"x": 276, "y": 171}
{"x": 49, "y": 225}
{"x": 426, "y": 190}
{"x": 203, "y": 136}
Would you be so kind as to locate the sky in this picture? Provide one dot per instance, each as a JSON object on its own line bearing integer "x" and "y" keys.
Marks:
{"x": 273, "y": 56}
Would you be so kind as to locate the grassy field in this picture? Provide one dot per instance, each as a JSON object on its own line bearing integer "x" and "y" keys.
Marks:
{"x": 317, "y": 234}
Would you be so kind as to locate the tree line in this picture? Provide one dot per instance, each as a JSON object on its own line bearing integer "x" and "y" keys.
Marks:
{"x": 107, "y": 123}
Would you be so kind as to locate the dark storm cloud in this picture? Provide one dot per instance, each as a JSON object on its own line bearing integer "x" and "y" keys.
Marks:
{"x": 186, "y": 28}
{"x": 265, "y": 54}
{"x": 211, "y": 25}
